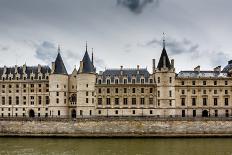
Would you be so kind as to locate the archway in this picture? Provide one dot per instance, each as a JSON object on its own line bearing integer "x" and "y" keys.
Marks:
{"x": 205, "y": 113}
{"x": 31, "y": 113}
{"x": 73, "y": 113}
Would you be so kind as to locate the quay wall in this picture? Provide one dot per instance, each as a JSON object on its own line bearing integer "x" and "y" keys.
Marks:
{"x": 117, "y": 128}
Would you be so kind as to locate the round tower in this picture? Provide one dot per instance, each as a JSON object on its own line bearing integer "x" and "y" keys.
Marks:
{"x": 86, "y": 79}
{"x": 165, "y": 80}
{"x": 58, "y": 89}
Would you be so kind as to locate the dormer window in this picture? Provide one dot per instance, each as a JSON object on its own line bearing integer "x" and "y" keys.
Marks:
{"x": 116, "y": 81}
{"x": 99, "y": 81}
{"x": 32, "y": 78}
{"x": 24, "y": 78}
{"x": 108, "y": 81}
{"x": 125, "y": 81}
{"x": 133, "y": 81}
{"x": 151, "y": 80}
{"x": 142, "y": 80}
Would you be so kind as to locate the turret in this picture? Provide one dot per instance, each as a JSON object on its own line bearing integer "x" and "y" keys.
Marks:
{"x": 58, "y": 88}
{"x": 165, "y": 80}
{"x": 86, "y": 79}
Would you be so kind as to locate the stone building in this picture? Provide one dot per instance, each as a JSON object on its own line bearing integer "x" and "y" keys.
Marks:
{"x": 41, "y": 91}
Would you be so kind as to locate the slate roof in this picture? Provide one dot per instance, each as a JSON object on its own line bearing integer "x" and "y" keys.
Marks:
{"x": 59, "y": 65}
{"x": 196, "y": 74}
{"x": 129, "y": 73}
{"x": 228, "y": 67}
{"x": 29, "y": 71}
{"x": 88, "y": 66}
{"x": 161, "y": 60}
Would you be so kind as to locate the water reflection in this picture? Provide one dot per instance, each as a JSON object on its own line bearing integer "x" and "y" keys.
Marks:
{"x": 130, "y": 146}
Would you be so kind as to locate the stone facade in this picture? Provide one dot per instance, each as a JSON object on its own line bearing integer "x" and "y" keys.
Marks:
{"x": 116, "y": 128}
{"x": 39, "y": 91}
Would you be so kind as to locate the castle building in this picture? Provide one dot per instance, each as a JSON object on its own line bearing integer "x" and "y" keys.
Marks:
{"x": 41, "y": 91}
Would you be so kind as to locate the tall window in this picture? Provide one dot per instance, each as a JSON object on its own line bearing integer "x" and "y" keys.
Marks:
{"x": 17, "y": 100}
{"x": 150, "y": 100}
{"x": 47, "y": 100}
{"x": 133, "y": 90}
{"x": 204, "y": 101}
{"x": 170, "y": 79}
{"x": 170, "y": 93}
{"x": 183, "y": 101}
{"x": 108, "y": 101}
{"x": 108, "y": 81}
{"x": 193, "y": 83}
{"x": 193, "y": 101}
{"x": 151, "y": 90}
{"x": 108, "y": 90}
{"x": 215, "y": 101}
{"x": 226, "y": 102}
{"x": 99, "y": 101}
{"x": 142, "y": 101}
{"x": 10, "y": 100}
{"x": 158, "y": 80}
{"x": 125, "y": 101}
{"x": 133, "y": 101}
{"x": 116, "y": 101}
{"x": 116, "y": 90}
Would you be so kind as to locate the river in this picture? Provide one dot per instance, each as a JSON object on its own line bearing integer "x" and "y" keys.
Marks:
{"x": 126, "y": 146}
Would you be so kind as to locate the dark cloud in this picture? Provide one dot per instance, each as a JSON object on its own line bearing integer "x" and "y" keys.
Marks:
{"x": 177, "y": 47}
{"x": 137, "y": 6}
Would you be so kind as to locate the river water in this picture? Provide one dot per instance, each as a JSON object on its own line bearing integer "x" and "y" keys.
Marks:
{"x": 127, "y": 146}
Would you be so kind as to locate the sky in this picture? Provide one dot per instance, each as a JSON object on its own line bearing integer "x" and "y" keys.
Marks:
{"x": 121, "y": 32}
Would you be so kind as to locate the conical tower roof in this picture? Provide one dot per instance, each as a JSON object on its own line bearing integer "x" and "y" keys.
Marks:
{"x": 88, "y": 66}
{"x": 164, "y": 60}
{"x": 59, "y": 65}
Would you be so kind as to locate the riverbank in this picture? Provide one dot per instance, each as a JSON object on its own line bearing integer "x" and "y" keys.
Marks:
{"x": 117, "y": 128}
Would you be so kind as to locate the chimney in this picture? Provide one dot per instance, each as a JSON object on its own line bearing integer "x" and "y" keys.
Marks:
{"x": 121, "y": 71}
{"x": 172, "y": 63}
{"x": 81, "y": 66}
{"x": 16, "y": 69}
{"x": 153, "y": 65}
{"x": 39, "y": 68}
{"x": 24, "y": 68}
{"x": 217, "y": 69}
{"x": 197, "y": 68}
{"x": 53, "y": 67}
{"x": 137, "y": 69}
{"x": 4, "y": 71}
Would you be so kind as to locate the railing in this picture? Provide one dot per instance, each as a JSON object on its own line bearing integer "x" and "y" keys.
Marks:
{"x": 111, "y": 118}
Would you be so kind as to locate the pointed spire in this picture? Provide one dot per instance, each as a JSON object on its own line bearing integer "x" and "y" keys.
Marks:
{"x": 164, "y": 61}
{"x": 92, "y": 56}
{"x": 86, "y": 46}
{"x": 164, "y": 40}
{"x": 58, "y": 48}
{"x": 87, "y": 64}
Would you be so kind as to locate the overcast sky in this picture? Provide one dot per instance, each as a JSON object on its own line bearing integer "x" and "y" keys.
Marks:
{"x": 198, "y": 32}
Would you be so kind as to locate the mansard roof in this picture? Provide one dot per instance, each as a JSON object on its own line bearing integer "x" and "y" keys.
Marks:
{"x": 164, "y": 56}
{"x": 59, "y": 65}
{"x": 88, "y": 66}
{"x": 201, "y": 74}
{"x": 28, "y": 71}
{"x": 129, "y": 73}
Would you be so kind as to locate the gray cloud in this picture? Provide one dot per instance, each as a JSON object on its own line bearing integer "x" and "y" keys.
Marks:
{"x": 218, "y": 58}
{"x": 4, "y": 48}
{"x": 47, "y": 52}
{"x": 175, "y": 46}
{"x": 136, "y": 6}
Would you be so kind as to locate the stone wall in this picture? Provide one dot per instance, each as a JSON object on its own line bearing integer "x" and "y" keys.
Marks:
{"x": 120, "y": 128}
